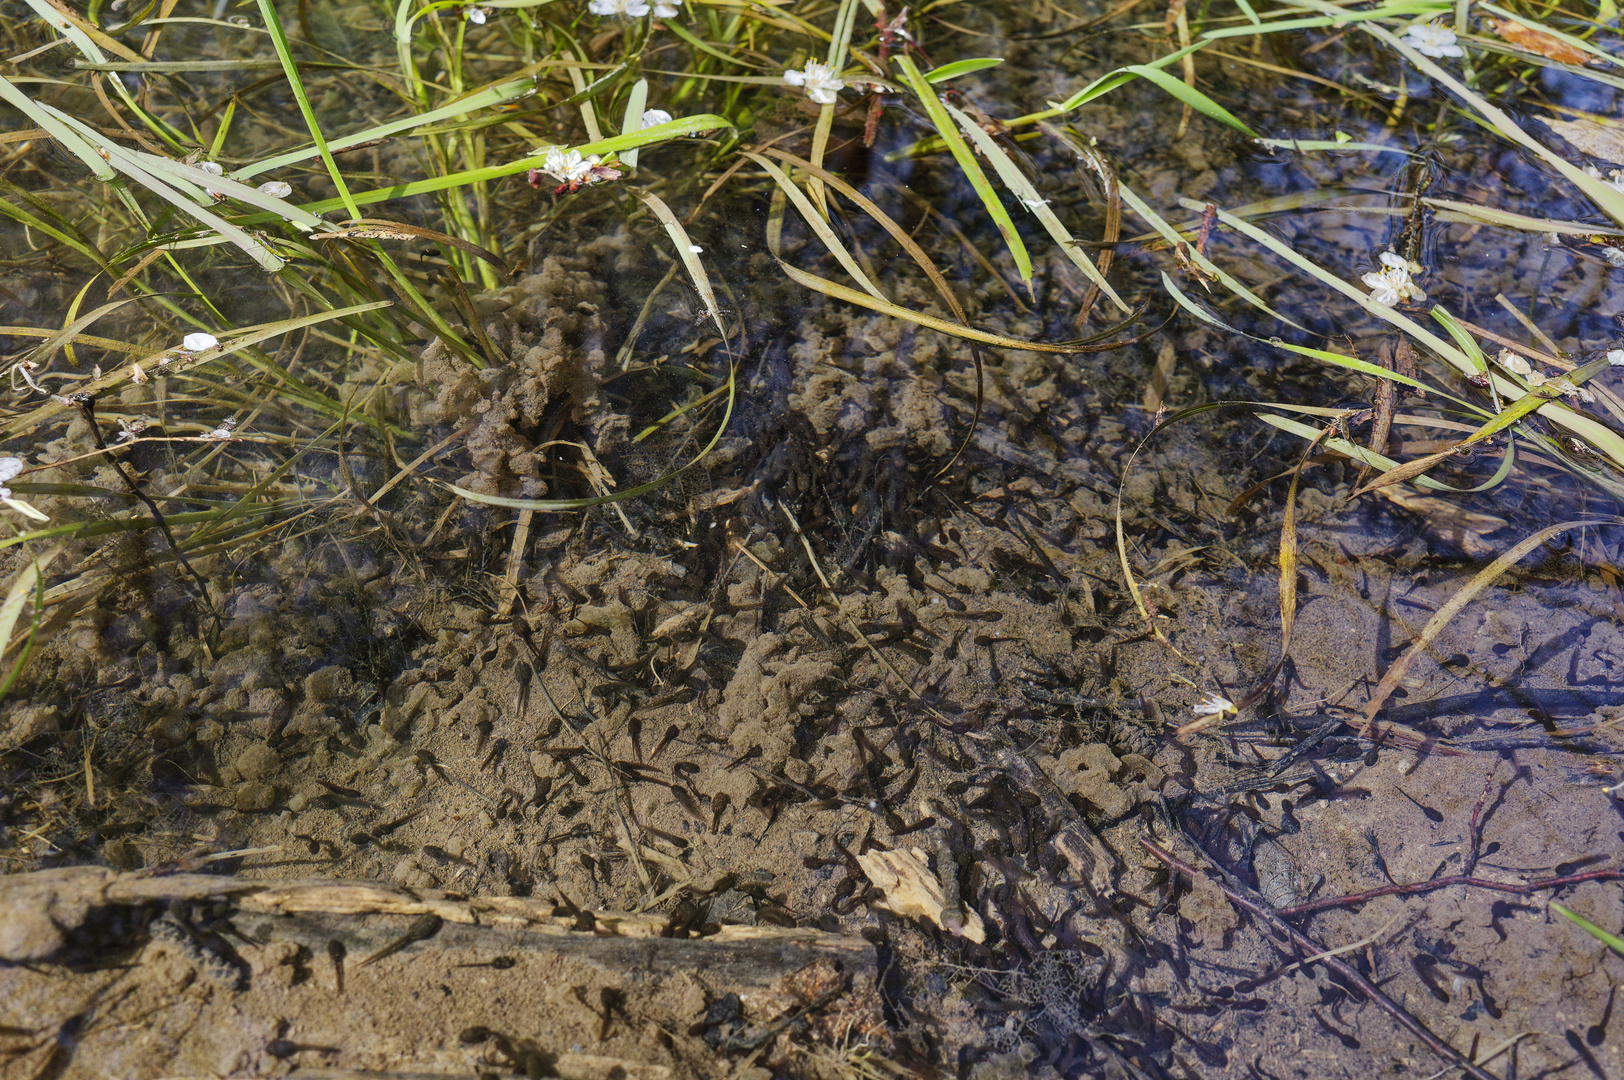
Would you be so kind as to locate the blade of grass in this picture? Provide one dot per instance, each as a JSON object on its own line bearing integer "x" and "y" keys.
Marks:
{"x": 1465, "y": 595}
{"x": 688, "y": 253}
{"x": 816, "y": 221}
{"x": 948, "y": 130}
{"x": 1022, "y": 189}
{"x": 1612, "y": 941}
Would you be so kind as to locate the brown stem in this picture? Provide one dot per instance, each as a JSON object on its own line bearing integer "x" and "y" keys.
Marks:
{"x": 1346, "y": 971}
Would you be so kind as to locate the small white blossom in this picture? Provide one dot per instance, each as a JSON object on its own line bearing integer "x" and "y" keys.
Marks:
{"x": 1214, "y": 705}
{"x": 569, "y": 166}
{"x": 655, "y": 117}
{"x": 819, "y": 80}
{"x": 198, "y": 342}
{"x": 9, "y": 467}
{"x": 1615, "y": 357}
{"x": 1613, "y": 179}
{"x": 277, "y": 189}
{"x": 631, "y": 9}
{"x": 1392, "y": 283}
{"x": 1433, "y": 39}
{"x": 475, "y": 15}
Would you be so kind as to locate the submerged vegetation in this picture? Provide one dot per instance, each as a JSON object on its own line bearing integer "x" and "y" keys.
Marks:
{"x": 181, "y": 119}
{"x": 259, "y": 255}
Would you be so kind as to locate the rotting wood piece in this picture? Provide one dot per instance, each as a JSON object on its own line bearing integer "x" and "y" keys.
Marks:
{"x": 617, "y": 999}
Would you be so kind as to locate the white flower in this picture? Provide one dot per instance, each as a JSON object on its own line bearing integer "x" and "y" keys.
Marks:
{"x": 1615, "y": 357}
{"x": 475, "y": 15}
{"x": 696, "y": 249}
{"x": 9, "y": 467}
{"x": 631, "y": 9}
{"x": 276, "y": 189}
{"x": 1433, "y": 39}
{"x": 198, "y": 342}
{"x": 1392, "y": 283}
{"x": 819, "y": 81}
{"x": 569, "y": 166}
{"x": 1214, "y": 705}
{"x": 653, "y": 117}
{"x": 1614, "y": 178}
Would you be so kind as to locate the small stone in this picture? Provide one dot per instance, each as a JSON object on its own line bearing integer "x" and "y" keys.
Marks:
{"x": 254, "y": 796}
{"x": 257, "y": 762}
{"x": 28, "y": 722}
{"x": 327, "y": 683}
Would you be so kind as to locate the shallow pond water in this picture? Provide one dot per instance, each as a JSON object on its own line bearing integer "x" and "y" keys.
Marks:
{"x": 869, "y": 674}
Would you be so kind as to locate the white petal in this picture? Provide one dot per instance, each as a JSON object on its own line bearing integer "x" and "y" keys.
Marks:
{"x": 1615, "y": 357}
{"x": 654, "y": 117}
{"x": 198, "y": 342}
{"x": 9, "y": 467}
{"x": 277, "y": 189}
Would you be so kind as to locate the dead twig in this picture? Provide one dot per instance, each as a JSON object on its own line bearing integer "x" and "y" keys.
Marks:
{"x": 1344, "y": 970}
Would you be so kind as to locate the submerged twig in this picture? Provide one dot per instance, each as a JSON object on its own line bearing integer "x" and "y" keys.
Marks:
{"x": 1343, "y": 969}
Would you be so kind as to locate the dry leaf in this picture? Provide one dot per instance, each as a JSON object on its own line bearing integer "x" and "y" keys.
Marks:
{"x": 1536, "y": 41}
{"x": 912, "y": 891}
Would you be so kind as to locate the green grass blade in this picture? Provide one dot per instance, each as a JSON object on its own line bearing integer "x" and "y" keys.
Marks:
{"x": 817, "y": 223}
{"x": 961, "y": 67}
{"x": 1612, "y": 941}
{"x": 636, "y": 101}
{"x": 284, "y": 53}
{"x": 949, "y": 132}
{"x": 687, "y": 251}
{"x": 1028, "y": 196}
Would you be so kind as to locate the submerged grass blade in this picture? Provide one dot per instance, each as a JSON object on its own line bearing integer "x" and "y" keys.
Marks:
{"x": 1022, "y": 189}
{"x": 816, "y": 222}
{"x": 1612, "y": 941}
{"x": 949, "y": 132}
{"x": 1465, "y": 595}
{"x": 688, "y": 252}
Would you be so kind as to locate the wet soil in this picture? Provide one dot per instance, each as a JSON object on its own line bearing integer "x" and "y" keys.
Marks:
{"x": 714, "y": 705}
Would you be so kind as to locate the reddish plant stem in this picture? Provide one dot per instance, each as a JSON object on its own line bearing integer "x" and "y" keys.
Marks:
{"x": 1346, "y": 971}
{"x": 1475, "y": 829}
{"x": 1473, "y": 848}
{"x": 1458, "y": 879}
